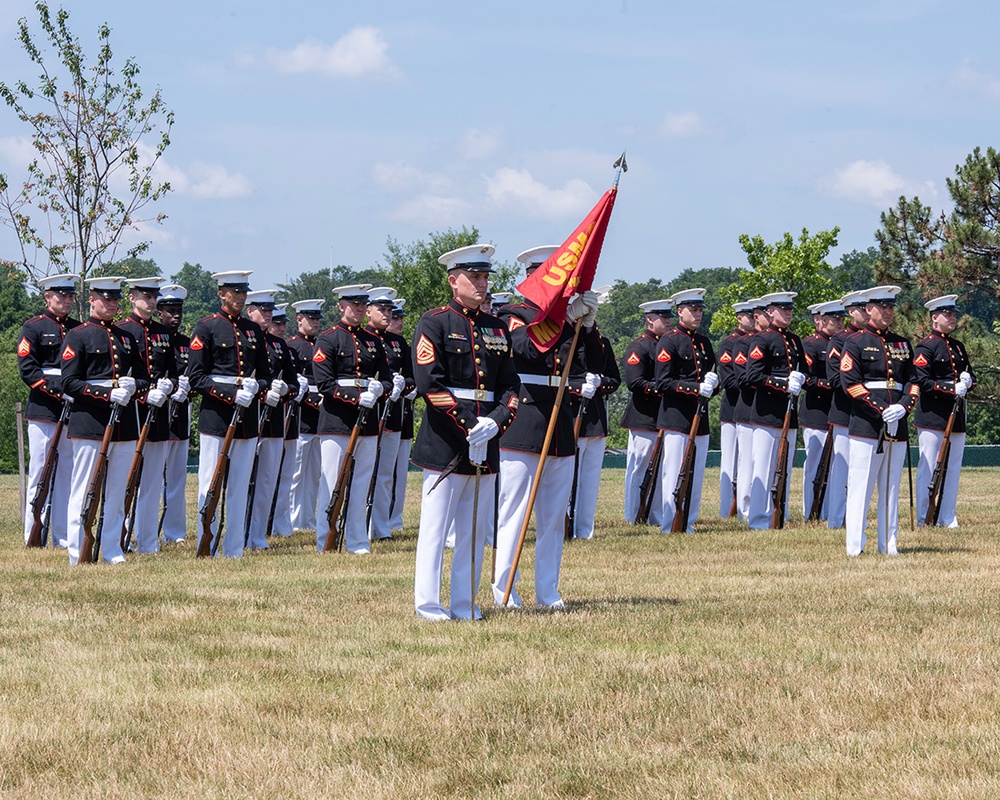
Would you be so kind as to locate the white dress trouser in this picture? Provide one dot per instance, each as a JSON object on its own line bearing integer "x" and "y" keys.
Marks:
{"x": 674, "y": 444}
{"x": 40, "y": 433}
{"x": 382, "y": 499}
{"x": 85, "y": 452}
{"x": 836, "y": 483}
{"x": 640, "y": 450}
{"x": 175, "y": 491}
{"x": 813, "y": 440}
{"x": 869, "y": 469}
{"x": 727, "y": 473}
{"x": 517, "y": 474}
{"x": 450, "y": 506}
{"x": 930, "y": 445}
{"x": 744, "y": 469}
{"x": 590, "y": 460}
{"x": 269, "y": 455}
{"x": 765, "y": 462}
{"x": 281, "y": 525}
{"x": 399, "y": 493}
{"x": 305, "y": 481}
{"x": 235, "y": 497}
{"x": 145, "y": 532}
{"x": 333, "y": 448}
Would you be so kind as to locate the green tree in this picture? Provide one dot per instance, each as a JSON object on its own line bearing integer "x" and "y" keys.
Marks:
{"x": 321, "y": 283}
{"x": 202, "y": 293}
{"x": 856, "y": 270}
{"x": 788, "y": 265}
{"x": 92, "y": 175}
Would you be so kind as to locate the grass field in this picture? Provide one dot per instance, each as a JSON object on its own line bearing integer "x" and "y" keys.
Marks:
{"x": 722, "y": 664}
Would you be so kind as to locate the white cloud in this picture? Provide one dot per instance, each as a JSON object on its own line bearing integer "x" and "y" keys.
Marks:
{"x": 399, "y": 176}
{"x": 358, "y": 53}
{"x": 873, "y": 183}
{"x": 17, "y": 151}
{"x": 518, "y": 189}
{"x": 968, "y": 79}
{"x": 479, "y": 144}
{"x": 686, "y": 125}
{"x": 433, "y": 210}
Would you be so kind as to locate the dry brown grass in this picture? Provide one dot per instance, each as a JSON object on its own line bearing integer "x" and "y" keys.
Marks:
{"x": 723, "y": 664}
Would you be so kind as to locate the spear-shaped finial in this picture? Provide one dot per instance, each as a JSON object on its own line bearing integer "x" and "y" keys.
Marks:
{"x": 621, "y": 165}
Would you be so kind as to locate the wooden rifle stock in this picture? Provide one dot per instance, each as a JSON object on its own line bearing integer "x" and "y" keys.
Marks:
{"x": 779, "y": 486}
{"x": 570, "y": 521}
{"x": 822, "y": 475}
{"x": 45, "y": 480}
{"x": 214, "y": 493}
{"x": 682, "y": 489}
{"x": 134, "y": 476}
{"x": 647, "y": 489}
{"x": 338, "y": 499}
{"x": 373, "y": 481}
{"x": 90, "y": 547}
{"x": 936, "y": 488}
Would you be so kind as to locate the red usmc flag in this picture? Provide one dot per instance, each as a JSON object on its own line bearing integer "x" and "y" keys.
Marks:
{"x": 568, "y": 271}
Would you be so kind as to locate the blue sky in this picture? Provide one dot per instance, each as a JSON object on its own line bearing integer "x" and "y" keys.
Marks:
{"x": 307, "y": 131}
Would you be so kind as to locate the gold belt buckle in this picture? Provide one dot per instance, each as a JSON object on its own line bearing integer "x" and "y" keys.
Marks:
{"x": 891, "y": 384}
{"x": 480, "y": 394}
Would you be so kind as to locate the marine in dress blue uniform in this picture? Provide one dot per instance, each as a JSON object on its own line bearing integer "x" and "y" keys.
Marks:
{"x": 307, "y": 466}
{"x": 643, "y": 407}
{"x": 728, "y": 378}
{"x": 170, "y": 309}
{"x": 944, "y": 374}
{"x": 39, "y": 348}
{"x": 876, "y": 371}
{"x": 839, "y": 416}
{"x": 686, "y": 381}
{"x": 101, "y": 366}
{"x": 153, "y": 340}
{"x": 351, "y": 372}
{"x": 521, "y": 444}
{"x": 465, "y": 373}
{"x": 828, "y": 319}
{"x": 743, "y": 409}
{"x": 381, "y": 301}
{"x": 228, "y": 367}
{"x": 271, "y": 441}
{"x": 281, "y": 522}
{"x": 775, "y": 368}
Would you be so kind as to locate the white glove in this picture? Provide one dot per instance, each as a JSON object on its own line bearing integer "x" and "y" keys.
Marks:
{"x": 966, "y": 378}
{"x": 127, "y": 382}
{"x": 588, "y": 390}
{"x": 484, "y": 430}
{"x": 712, "y": 378}
{"x": 595, "y": 379}
{"x": 303, "y": 389}
{"x": 367, "y": 399}
{"x": 961, "y": 390}
{"x": 705, "y": 389}
{"x": 412, "y": 395}
{"x": 244, "y": 397}
{"x": 894, "y": 413}
{"x": 398, "y": 384}
{"x": 376, "y": 388}
{"x": 795, "y": 382}
{"x": 156, "y": 397}
{"x": 180, "y": 395}
{"x": 184, "y": 384}
{"x": 891, "y": 427}
{"x": 165, "y": 385}
{"x": 577, "y": 308}
{"x": 477, "y": 452}
{"x": 279, "y": 386}
{"x": 121, "y": 396}
{"x": 590, "y": 298}
{"x": 272, "y": 398}
{"x": 251, "y": 385}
